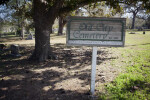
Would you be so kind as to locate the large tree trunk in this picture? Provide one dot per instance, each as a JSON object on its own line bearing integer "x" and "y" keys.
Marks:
{"x": 42, "y": 43}
{"x": 43, "y": 25}
{"x": 133, "y": 20}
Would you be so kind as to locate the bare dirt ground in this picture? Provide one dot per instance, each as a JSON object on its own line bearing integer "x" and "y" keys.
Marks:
{"x": 65, "y": 78}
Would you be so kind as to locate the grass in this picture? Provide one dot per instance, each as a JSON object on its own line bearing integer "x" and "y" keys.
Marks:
{"x": 134, "y": 82}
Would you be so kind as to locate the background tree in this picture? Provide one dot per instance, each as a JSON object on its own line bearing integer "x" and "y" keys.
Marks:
{"x": 137, "y": 9}
{"x": 100, "y": 9}
{"x": 5, "y": 17}
{"x": 147, "y": 23}
{"x": 22, "y": 14}
{"x": 61, "y": 22}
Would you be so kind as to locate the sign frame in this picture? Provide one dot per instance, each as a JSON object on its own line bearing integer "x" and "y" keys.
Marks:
{"x": 94, "y": 42}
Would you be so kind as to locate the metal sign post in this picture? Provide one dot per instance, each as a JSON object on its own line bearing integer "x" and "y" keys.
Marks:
{"x": 93, "y": 69}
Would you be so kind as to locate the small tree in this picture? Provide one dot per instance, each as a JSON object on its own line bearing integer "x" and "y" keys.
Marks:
{"x": 5, "y": 17}
{"x": 136, "y": 8}
{"x": 22, "y": 12}
{"x": 61, "y": 22}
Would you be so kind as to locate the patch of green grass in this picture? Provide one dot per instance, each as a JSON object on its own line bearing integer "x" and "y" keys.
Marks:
{"x": 134, "y": 83}
{"x": 128, "y": 86}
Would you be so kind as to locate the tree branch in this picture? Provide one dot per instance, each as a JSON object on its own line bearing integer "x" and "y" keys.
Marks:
{"x": 75, "y": 6}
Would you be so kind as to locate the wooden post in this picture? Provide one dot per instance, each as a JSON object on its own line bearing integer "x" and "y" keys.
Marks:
{"x": 93, "y": 69}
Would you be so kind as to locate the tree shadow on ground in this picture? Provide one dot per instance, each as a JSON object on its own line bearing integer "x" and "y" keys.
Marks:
{"x": 9, "y": 38}
{"x": 66, "y": 78}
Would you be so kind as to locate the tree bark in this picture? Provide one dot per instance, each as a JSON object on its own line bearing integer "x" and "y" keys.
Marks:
{"x": 43, "y": 26}
{"x": 60, "y": 29}
{"x": 133, "y": 21}
{"x": 27, "y": 30}
{"x": 42, "y": 43}
{"x": 22, "y": 32}
{"x": 62, "y": 22}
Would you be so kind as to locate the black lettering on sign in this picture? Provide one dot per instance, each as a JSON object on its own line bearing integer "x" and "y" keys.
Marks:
{"x": 116, "y": 38}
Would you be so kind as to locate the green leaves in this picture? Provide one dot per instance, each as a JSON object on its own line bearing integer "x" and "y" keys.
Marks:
{"x": 2, "y": 2}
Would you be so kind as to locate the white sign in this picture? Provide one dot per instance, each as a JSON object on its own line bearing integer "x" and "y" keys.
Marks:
{"x": 96, "y": 31}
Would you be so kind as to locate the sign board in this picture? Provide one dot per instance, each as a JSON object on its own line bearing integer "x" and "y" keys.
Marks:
{"x": 96, "y": 31}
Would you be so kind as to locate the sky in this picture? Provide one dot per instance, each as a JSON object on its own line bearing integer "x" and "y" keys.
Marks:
{"x": 127, "y": 15}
